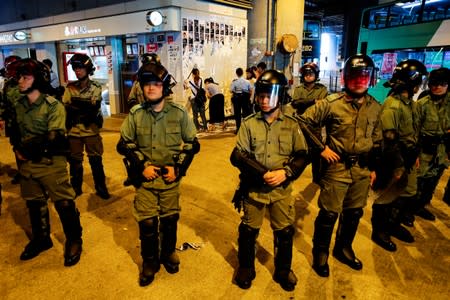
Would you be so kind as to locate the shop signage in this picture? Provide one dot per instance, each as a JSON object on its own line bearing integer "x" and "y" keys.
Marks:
{"x": 21, "y": 35}
{"x": 79, "y": 29}
{"x": 6, "y": 38}
{"x": 152, "y": 47}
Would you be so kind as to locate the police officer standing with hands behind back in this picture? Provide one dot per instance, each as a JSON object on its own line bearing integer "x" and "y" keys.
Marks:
{"x": 42, "y": 148}
{"x": 270, "y": 153}
{"x": 158, "y": 140}
{"x": 82, "y": 99}
{"x": 351, "y": 122}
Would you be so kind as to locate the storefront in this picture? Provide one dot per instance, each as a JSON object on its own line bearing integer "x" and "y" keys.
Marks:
{"x": 212, "y": 38}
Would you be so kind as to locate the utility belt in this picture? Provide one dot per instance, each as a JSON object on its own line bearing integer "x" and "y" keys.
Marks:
{"x": 430, "y": 144}
{"x": 351, "y": 160}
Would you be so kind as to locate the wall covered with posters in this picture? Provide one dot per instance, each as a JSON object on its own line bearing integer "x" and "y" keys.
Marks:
{"x": 214, "y": 44}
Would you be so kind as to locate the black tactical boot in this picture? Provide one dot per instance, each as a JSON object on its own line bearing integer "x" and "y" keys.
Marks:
{"x": 168, "y": 230}
{"x": 381, "y": 213}
{"x": 40, "y": 226}
{"x": 246, "y": 256}
{"x": 348, "y": 225}
{"x": 283, "y": 240}
{"x": 323, "y": 229}
{"x": 76, "y": 175}
{"x": 148, "y": 234}
{"x": 99, "y": 176}
{"x": 397, "y": 230}
{"x": 70, "y": 220}
{"x": 425, "y": 190}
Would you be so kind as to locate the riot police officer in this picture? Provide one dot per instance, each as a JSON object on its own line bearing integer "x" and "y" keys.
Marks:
{"x": 158, "y": 140}
{"x": 309, "y": 90}
{"x": 82, "y": 99}
{"x": 136, "y": 96}
{"x": 351, "y": 122}
{"x": 42, "y": 148}
{"x": 270, "y": 153}
{"x": 10, "y": 97}
{"x": 433, "y": 119}
{"x": 396, "y": 171}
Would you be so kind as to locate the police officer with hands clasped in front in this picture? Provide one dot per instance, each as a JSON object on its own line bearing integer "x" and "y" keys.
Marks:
{"x": 82, "y": 99}
{"x": 42, "y": 149}
{"x": 158, "y": 140}
{"x": 351, "y": 122}
{"x": 271, "y": 153}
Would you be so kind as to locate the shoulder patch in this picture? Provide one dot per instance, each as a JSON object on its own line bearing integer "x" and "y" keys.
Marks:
{"x": 136, "y": 108}
{"x": 250, "y": 116}
{"x": 334, "y": 97}
{"x": 95, "y": 83}
{"x": 51, "y": 100}
{"x": 176, "y": 105}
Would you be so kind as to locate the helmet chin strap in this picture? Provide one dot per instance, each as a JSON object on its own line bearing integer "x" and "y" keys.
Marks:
{"x": 154, "y": 102}
{"x": 355, "y": 95}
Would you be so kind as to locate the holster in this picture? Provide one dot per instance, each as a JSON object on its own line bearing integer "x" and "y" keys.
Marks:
{"x": 134, "y": 173}
{"x": 430, "y": 144}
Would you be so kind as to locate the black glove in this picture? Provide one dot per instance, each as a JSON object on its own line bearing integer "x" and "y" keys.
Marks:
{"x": 238, "y": 198}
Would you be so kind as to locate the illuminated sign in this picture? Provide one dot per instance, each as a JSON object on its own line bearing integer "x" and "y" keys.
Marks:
{"x": 6, "y": 38}
{"x": 20, "y": 35}
{"x": 82, "y": 29}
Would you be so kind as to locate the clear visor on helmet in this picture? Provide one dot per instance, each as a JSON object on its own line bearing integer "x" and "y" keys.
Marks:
{"x": 77, "y": 65}
{"x": 268, "y": 96}
{"x": 149, "y": 78}
{"x": 360, "y": 78}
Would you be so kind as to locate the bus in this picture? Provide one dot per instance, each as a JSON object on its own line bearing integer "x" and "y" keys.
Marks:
{"x": 414, "y": 29}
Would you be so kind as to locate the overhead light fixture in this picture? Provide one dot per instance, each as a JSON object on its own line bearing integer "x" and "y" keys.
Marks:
{"x": 154, "y": 18}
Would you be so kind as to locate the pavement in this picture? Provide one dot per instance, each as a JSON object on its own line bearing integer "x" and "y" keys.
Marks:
{"x": 110, "y": 263}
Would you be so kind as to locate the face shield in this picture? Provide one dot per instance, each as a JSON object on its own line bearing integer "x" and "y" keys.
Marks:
{"x": 359, "y": 80}
{"x": 268, "y": 97}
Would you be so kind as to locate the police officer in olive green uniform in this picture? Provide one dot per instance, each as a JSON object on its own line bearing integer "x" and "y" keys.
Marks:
{"x": 433, "y": 119}
{"x": 400, "y": 152}
{"x": 270, "y": 153}
{"x": 10, "y": 97}
{"x": 158, "y": 140}
{"x": 42, "y": 148}
{"x": 309, "y": 90}
{"x": 352, "y": 128}
{"x": 305, "y": 95}
{"x": 82, "y": 99}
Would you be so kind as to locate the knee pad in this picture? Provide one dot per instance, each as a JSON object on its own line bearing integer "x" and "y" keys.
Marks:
{"x": 353, "y": 213}
{"x": 64, "y": 204}
{"x": 171, "y": 218}
{"x": 327, "y": 217}
{"x": 245, "y": 230}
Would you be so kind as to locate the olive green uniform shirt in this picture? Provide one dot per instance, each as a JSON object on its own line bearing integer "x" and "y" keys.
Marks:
{"x": 272, "y": 145}
{"x": 91, "y": 93}
{"x": 159, "y": 136}
{"x": 398, "y": 115}
{"x": 302, "y": 94}
{"x": 433, "y": 120}
{"x": 136, "y": 95}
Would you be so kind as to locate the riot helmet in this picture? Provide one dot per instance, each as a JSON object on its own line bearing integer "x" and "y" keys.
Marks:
{"x": 408, "y": 75}
{"x": 440, "y": 76}
{"x": 82, "y": 61}
{"x": 307, "y": 69}
{"x": 11, "y": 63}
{"x": 38, "y": 70}
{"x": 152, "y": 72}
{"x": 359, "y": 74}
{"x": 438, "y": 83}
{"x": 271, "y": 85}
{"x": 150, "y": 58}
